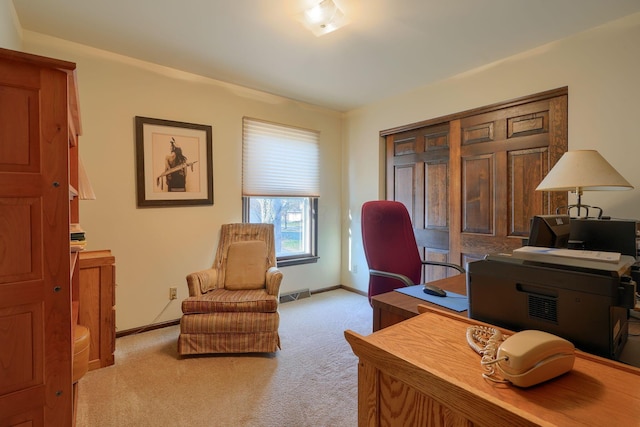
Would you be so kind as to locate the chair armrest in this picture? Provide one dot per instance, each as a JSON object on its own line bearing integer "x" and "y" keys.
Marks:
{"x": 201, "y": 282}
{"x": 445, "y": 264}
{"x": 273, "y": 280}
{"x": 400, "y": 277}
{"x": 405, "y": 280}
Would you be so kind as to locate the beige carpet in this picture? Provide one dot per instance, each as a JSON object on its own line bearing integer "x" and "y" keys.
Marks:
{"x": 312, "y": 381}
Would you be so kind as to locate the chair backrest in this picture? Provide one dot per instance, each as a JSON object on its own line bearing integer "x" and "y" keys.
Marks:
{"x": 389, "y": 244}
{"x": 242, "y": 232}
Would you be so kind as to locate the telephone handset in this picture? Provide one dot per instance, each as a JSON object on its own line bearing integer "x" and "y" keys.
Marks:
{"x": 524, "y": 359}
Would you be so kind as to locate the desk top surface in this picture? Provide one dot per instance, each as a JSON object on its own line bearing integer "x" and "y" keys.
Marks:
{"x": 408, "y": 305}
{"x": 433, "y": 345}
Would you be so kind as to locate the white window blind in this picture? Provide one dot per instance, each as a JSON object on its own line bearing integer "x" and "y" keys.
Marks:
{"x": 279, "y": 160}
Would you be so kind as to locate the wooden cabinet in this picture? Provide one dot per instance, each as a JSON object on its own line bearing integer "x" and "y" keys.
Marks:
{"x": 422, "y": 372}
{"x": 96, "y": 292}
{"x": 39, "y": 125}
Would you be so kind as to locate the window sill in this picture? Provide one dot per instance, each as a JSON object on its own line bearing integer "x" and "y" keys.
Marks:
{"x": 285, "y": 262}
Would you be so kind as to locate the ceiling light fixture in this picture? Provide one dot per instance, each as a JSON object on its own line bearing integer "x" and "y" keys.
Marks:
{"x": 324, "y": 17}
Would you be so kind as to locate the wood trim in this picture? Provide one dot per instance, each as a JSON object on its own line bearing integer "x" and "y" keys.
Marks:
{"x": 347, "y": 288}
{"x": 147, "y": 328}
{"x": 485, "y": 109}
{"x": 39, "y": 61}
{"x": 455, "y": 198}
{"x": 174, "y": 322}
{"x": 389, "y": 169}
{"x": 558, "y": 137}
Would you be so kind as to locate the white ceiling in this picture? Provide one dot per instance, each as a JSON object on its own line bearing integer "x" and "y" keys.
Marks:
{"x": 390, "y": 46}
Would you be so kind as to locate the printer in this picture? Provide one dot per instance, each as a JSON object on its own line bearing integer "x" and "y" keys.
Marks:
{"x": 585, "y": 302}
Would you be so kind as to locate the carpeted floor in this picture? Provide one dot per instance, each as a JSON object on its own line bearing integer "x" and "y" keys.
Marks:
{"x": 312, "y": 381}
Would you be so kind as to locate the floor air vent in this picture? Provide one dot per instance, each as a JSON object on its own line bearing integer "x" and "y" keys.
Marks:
{"x": 543, "y": 308}
{"x": 295, "y": 295}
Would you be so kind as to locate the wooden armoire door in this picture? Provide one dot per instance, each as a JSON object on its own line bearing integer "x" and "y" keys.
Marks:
{"x": 501, "y": 157}
{"x": 419, "y": 178}
{"x": 35, "y": 294}
{"x": 469, "y": 179}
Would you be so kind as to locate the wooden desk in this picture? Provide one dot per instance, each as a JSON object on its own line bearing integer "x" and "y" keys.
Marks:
{"x": 394, "y": 307}
{"x": 422, "y": 372}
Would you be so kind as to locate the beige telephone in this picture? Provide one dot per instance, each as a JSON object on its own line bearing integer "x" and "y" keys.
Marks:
{"x": 524, "y": 359}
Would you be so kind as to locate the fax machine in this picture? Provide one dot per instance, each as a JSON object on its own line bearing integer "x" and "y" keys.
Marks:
{"x": 587, "y": 305}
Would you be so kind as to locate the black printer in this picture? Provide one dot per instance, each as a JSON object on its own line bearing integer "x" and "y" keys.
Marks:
{"x": 586, "y": 303}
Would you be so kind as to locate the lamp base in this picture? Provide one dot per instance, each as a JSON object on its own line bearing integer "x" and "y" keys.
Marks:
{"x": 579, "y": 208}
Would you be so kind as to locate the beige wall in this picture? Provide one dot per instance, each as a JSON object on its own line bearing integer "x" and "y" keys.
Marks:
{"x": 155, "y": 248}
{"x": 10, "y": 30}
{"x": 601, "y": 69}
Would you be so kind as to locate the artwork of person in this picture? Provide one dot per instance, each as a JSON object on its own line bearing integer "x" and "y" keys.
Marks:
{"x": 175, "y": 170}
{"x": 176, "y": 162}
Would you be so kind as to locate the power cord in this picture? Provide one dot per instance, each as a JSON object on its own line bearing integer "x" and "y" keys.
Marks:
{"x": 485, "y": 341}
{"x": 144, "y": 328}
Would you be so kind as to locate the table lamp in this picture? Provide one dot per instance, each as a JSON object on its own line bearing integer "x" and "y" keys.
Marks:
{"x": 583, "y": 170}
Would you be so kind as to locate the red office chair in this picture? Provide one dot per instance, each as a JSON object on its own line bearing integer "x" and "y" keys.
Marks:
{"x": 390, "y": 247}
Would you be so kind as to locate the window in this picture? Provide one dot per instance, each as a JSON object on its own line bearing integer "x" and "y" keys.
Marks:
{"x": 280, "y": 185}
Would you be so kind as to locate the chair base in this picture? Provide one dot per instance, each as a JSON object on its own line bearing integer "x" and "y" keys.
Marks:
{"x": 251, "y": 342}
{"x": 229, "y": 332}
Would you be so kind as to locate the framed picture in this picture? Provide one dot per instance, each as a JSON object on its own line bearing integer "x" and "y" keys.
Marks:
{"x": 174, "y": 163}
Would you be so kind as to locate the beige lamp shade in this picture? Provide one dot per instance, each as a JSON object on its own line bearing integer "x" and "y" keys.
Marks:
{"x": 583, "y": 170}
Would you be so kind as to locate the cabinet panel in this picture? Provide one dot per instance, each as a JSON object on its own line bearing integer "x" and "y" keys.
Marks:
{"x": 18, "y": 121}
{"x": 21, "y": 365}
{"x": 436, "y": 184}
{"x": 478, "y": 194}
{"x": 96, "y": 305}
{"x": 20, "y": 230}
{"x": 526, "y": 168}
{"x": 35, "y": 284}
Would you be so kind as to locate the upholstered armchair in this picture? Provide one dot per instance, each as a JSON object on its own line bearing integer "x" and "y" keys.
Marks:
{"x": 233, "y": 306}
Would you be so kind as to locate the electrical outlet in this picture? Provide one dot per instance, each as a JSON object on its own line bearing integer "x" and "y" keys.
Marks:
{"x": 173, "y": 293}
